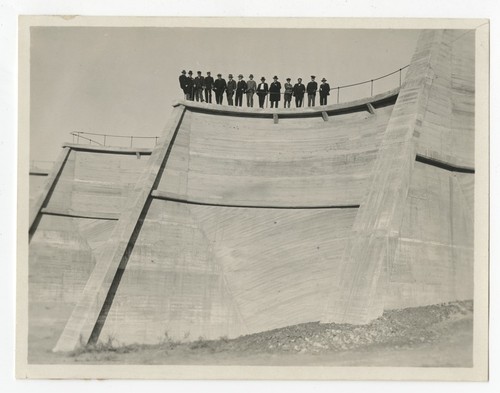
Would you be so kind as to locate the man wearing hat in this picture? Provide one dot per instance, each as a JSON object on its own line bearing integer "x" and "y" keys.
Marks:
{"x": 198, "y": 87}
{"x": 324, "y": 91}
{"x": 312, "y": 87}
{"x": 219, "y": 88}
{"x": 183, "y": 82}
{"x": 262, "y": 90}
{"x": 251, "y": 87}
{"x": 230, "y": 89}
{"x": 241, "y": 87}
{"x": 275, "y": 92}
{"x": 207, "y": 85}
{"x": 189, "y": 86}
{"x": 298, "y": 92}
{"x": 288, "y": 92}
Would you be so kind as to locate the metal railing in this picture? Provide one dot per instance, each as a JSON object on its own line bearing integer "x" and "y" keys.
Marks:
{"x": 99, "y": 139}
{"x": 369, "y": 82}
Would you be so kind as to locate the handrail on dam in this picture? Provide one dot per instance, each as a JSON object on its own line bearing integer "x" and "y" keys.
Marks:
{"x": 104, "y": 138}
{"x": 371, "y": 81}
{"x": 338, "y": 88}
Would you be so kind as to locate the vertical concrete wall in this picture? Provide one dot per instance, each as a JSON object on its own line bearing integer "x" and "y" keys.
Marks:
{"x": 433, "y": 260}
{"x": 413, "y": 243}
{"x": 434, "y": 256}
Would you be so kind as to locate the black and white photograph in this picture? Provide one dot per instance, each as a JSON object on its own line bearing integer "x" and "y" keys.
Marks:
{"x": 253, "y": 196}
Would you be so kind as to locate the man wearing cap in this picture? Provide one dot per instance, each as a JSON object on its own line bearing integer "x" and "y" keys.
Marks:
{"x": 198, "y": 87}
{"x": 230, "y": 89}
{"x": 251, "y": 87}
{"x": 219, "y": 88}
{"x": 207, "y": 85}
{"x": 275, "y": 92}
{"x": 288, "y": 92}
{"x": 324, "y": 92}
{"x": 189, "y": 86}
{"x": 298, "y": 92}
{"x": 312, "y": 87}
{"x": 241, "y": 87}
{"x": 262, "y": 90}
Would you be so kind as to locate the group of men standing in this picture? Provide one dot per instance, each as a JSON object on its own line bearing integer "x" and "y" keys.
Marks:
{"x": 193, "y": 90}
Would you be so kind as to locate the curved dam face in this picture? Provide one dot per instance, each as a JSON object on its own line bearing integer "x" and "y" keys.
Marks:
{"x": 247, "y": 226}
{"x": 244, "y": 220}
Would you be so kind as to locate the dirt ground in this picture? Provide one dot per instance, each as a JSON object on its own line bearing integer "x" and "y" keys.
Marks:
{"x": 430, "y": 336}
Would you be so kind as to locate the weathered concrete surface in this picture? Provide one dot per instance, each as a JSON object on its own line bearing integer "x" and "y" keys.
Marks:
{"x": 238, "y": 224}
{"x": 224, "y": 271}
{"x": 252, "y": 161}
{"x": 91, "y": 310}
{"x": 408, "y": 248}
{"x": 83, "y": 191}
{"x": 218, "y": 271}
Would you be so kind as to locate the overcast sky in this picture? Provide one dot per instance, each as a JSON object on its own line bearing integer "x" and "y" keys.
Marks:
{"x": 123, "y": 80}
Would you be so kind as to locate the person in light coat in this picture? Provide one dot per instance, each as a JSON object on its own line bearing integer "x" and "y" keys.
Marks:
{"x": 251, "y": 88}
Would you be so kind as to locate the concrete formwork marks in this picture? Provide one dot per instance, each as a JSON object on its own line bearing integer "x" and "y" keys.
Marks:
{"x": 358, "y": 296}
{"x": 114, "y": 256}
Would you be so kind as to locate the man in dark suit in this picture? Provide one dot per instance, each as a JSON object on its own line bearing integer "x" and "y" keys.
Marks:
{"x": 198, "y": 87}
{"x": 219, "y": 88}
{"x": 312, "y": 88}
{"x": 324, "y": 92}
{"x": 262, "y": 90}
{"x": 208, "y": 85}
{"x": 189, "y": 86}
{"x": 183, "y": 83}
{"x": 230, "y": 89}
{"x": 298, "y": 92}
{"x": 241, "y": 87}
{"x": 275, "y": 92}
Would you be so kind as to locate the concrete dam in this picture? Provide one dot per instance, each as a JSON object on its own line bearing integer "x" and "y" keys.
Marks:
{"x": 242, "y": 220}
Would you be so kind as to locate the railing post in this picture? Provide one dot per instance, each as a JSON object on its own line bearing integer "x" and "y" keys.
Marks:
{"x": 400, "y": 77}
{"x": 371, "y": 90}
{"x": 78, "y": 138}
{"x": 338, "y": 94}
